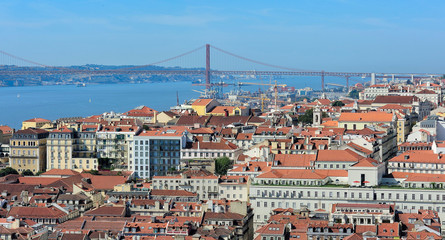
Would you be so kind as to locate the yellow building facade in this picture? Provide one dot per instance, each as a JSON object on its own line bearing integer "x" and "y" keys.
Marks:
{"x": 71, "y": 150}
{"x": 204, "y": 106}
{"x": 39, "y": 123}
{"x": 28, "y": 150}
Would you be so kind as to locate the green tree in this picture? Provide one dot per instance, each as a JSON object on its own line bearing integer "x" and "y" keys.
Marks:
{"x": 27, "y": 172}
{"x": 338, "y": 104}
{"x": 222, "y": 165}
{"x": 39, "y": 173}
{"x": 353, "y": 94}
{"x": 308, "y": 116}
{"x": 94, "y": 172}
{"x": 7, "y": 171}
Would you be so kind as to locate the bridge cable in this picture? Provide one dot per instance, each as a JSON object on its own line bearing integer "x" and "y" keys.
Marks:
{"x": 162, "y": 61}
{"x": 258, "y": 62}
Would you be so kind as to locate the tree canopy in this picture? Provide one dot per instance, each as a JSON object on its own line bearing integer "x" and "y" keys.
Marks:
{"x": 222, "y": 165}
{"x": 308, "y": 116}
{"x": 353, "y": 94}
{"x": 338, "y": 104}
{"x": 27, "y": 172}
{"x": 7, "y": 171}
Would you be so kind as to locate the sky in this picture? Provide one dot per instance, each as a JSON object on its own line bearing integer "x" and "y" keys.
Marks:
{"x": 332, "y": 35}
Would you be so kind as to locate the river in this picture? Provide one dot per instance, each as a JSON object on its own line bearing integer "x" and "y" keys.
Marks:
{"x": 52, "y": 102}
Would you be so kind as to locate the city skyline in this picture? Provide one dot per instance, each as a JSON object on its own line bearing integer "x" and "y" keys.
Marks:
{"x": 332, "y": 36}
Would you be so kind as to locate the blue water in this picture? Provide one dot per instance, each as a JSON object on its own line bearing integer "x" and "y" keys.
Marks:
{"x": 52, "y": 102}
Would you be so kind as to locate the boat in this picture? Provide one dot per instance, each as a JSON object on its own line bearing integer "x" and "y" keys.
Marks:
{"x": 81, "y": 85}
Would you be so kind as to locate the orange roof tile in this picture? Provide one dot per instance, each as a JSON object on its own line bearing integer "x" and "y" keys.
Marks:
{"x": 202, "y": 102}
{"x": 366, "y": 117}
{"x": 39, "y": 120}
{"x": 338, "y": 156}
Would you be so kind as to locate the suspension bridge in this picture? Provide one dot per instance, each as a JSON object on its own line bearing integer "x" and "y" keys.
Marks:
{"x": 12, "y": 65}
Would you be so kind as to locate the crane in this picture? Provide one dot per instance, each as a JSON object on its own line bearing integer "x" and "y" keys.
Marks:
{"x": 262, "y": 98}
{"x": 275, "y": 87}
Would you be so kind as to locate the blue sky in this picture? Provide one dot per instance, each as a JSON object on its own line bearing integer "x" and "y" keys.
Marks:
{"x": 342, "y": 35}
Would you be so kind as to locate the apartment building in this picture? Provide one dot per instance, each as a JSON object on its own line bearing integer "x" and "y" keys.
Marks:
{"x": 114, "y": 144}
{"x": 28, "y": 150}
{"x": 68, "y": 149}
{"x": 157, "y": 152}
{"x": 203, "y": 147}
{"x": 201, "y": 182}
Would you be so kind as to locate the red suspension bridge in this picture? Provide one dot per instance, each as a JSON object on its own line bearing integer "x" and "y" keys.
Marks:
{"x": 25, "y": 67}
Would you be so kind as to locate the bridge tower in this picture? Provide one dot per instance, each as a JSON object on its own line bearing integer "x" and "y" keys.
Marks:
{"x": 207, "y": 66}
{"x": 322, "y": 81}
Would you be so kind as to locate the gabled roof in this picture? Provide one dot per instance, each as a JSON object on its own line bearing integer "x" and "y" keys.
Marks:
{"x": 222, "y": 110}
{"x": 107, "y": 211}
{"x": 37, "y": 120}
{"x": 36, "y": 212}
{"x": 141, "y": 111}
{"x": 272, "y": 229}
{"x": 294, "y": 160}
{"x": 61, "y": 172}
{"x": 426, "y": 91}
{"x": 366, "y": 117}
{"x": 338, "y": 156}
{"x": 395, "y": 99}
{"x": 6, "y": 129}
{"x": 293, "y": 174}
{"x": 367, "y": 162}
{"x": 202, "y": 102}
{"x": 419, "y": 156}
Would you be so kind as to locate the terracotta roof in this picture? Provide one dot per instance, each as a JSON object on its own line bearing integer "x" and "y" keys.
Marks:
{"x": 6, "y": 130}
{"x": 338, "y": 156}
{"x": 244, "y": 136}
{"x": 365, "y": 228}
{"x": 31, "y": 131}
{"x": 201, "y": 131}
{"x": 202, "y": 102}
{"x": 379, "y": 86}
{"x": 107, "y": 211}
{"x": 293, "y": 174}
{"x": 366, "y": 117}
{"x": 422, "y": 236}
{"x": 294, "y": 160}
{"x": 366, "y": 162}
{"x": 223, "y": 144}
{"x": 252, "y": 166}
{"x": 388, "y": 229}
{"x": 172, "y": 131}
{"x": 272, "y": 229}
{"x": 394, "y": 106}
{"x": 222, "y": 110}
{"x": 36, "y": 212}
{"x": 354, "y": 236}
{"x": 62, "y": 130}
{"x": 394, "y": 99}
{"x": 37, "y": 180}
{"x": 63, "y": 172}
{"x": 142, "y": 111}
{"x": 330, "y": 124}
{"x": 359, "y": 148}
{"x": 419, "y": 156}
{"x": 159, "y": 192}
{"x": 222, "y": 216}
{"x": 37, "y": 120}
{"x": 190, "y": 120}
